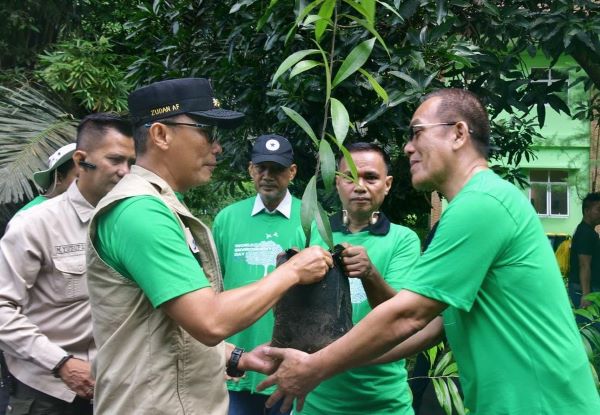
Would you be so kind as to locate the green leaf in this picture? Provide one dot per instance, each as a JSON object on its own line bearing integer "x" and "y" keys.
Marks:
{"x": 303, "y": 66}
{"x": 456, "y": 399}
{"x": 309, "y": 7}
{"x": 327, "y": 161}
{"x": 308, "y": 207}
{"x": 371, "y": 29}
{"x": 325, "y": 13}
{"x": 443, "y": 395}
{"x": 445, "y": 360}
{"x": 451, "y": 369}
{"x": 376, "y": 86}
{"x": 441, "y": 11}
{"x": 432, "y": 354}
{"x": 391, "y": 9}
{"x": 240, "y": 4}
{"x": 291, "y": 61}
{"x": 365, "y": 7}
{"x": 323, "y": 225}
{"x": 265, "y": 17}
{"x": 347, "y": 158}
{"x": 340, "y": 120}
{"x": 355, "y": 59}
{"x": 310, "y": 19}
{"x": 302, "y": 123}
{"x": 405, "y": 77}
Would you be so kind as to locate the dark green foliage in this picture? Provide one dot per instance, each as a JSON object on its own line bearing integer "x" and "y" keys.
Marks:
{"x": 239, "y": 44}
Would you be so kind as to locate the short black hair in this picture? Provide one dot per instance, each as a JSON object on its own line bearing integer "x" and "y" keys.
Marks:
{"x": 590, "y": 199}
{"x": 359, "y": 146}
{"x": 140, "y": 137}
{"x": 463, "y": 105}
{"x": 92, "y": 128}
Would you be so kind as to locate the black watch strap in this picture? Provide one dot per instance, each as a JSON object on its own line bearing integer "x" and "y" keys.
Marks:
{"x": 60, "y": 364}
{"x": 232, "y": 364}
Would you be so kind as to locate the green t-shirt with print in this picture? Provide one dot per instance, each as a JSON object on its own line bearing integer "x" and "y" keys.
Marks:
{"x": 376, "y": 389}
{"x": 141, "y": 239}
{"x": 509, "y": 322}
{"x": 248, "y": 247}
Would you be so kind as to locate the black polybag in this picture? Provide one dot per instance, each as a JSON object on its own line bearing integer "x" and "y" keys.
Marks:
{"x": 309, "y": 317}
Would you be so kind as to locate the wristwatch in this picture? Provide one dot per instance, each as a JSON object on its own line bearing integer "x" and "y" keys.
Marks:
{"x": 232, "y": 364}
{"x": 60, "y": 364}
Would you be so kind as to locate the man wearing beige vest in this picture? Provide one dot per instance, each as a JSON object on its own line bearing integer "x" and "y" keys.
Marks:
{"x": 158, "y": 310}
{"x": 45, "y": 320}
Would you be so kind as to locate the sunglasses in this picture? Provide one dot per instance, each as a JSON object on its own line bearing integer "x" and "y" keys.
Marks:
{"x": 210, "y": 131}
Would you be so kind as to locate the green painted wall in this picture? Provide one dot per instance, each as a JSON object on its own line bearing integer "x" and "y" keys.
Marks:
{"x": 565, "y": 146}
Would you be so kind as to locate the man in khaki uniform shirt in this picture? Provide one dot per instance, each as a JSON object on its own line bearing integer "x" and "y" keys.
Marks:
{"x": 45, "y": 321}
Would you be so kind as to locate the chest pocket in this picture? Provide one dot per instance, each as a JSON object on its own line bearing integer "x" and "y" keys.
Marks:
{"x": 70, "y": 283}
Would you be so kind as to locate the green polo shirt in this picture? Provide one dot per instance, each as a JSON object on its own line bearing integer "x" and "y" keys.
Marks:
{"x": 141, "y": 239}
{"x": 376, "y": 389}
{"x": 509, "y": 322}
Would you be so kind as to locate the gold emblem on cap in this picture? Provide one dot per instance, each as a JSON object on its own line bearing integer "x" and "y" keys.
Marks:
{"x": 216, "y": 103}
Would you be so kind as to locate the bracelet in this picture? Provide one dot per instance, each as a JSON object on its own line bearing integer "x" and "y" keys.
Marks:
{"x": 60, "y": 364}
{"x": 232, "y": 364}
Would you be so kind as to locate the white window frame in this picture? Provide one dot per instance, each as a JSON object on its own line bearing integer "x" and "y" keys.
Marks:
{"x": 549, "y": 184}
{"x": 549, "y": 80}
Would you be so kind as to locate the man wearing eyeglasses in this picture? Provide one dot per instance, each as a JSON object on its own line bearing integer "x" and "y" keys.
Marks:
{"x": 489, "y": 271}
{"x": 158, "y": 310}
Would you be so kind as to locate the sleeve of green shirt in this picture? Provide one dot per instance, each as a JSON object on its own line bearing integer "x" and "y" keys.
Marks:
{"x": 142, "y": 240}
{"x": 407, "y": 250}
{"x": 472, "y": 233}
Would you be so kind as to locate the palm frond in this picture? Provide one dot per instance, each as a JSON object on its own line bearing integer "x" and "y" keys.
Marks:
{"x": 32, "y": 126}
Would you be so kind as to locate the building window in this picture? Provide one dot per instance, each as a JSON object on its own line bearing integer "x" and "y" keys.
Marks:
{"x": 551, "y": 76}
{"x": 548, "y": 76}
{"x": 549, "y": 192}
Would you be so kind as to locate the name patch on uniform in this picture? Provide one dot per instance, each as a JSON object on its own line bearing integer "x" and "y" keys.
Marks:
{"x": 69, "y": 249}
{"x": 164, "y": 110}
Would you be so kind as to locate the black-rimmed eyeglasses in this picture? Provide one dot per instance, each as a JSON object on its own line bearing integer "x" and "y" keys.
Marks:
{"x": 414, "y": 129}
{"x": 209, "y": 130}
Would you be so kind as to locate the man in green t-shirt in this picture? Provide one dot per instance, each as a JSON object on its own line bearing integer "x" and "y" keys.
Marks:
{"x": 249, "y": 235}
{"x": 378, "y": 256}
{"x": 491, "y": 273}
{"x": 159, "y": 313}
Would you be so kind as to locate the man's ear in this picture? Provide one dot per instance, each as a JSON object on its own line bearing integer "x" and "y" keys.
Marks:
{"x": 293, "y": 171}
{"x": 250, "y": 165}
{"x": 461, "y": 130}
{"x": 388, "y": 184}
{"x": 79, "y": 155}
{"x": 160, "y": 135}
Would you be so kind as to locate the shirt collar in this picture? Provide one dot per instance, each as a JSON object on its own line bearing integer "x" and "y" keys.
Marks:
{"x": 284, "y": 207}
{"x": 83, "y": 208}
{"x": 381, "y": 227}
